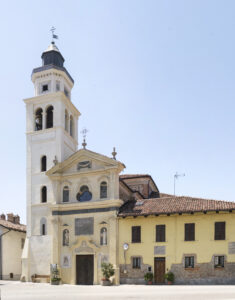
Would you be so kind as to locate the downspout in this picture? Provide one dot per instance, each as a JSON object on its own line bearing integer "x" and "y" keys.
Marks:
{"x": 1, "y": 252}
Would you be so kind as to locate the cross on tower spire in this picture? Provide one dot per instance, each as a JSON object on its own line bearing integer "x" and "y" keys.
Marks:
{"x": 84, "y": 133}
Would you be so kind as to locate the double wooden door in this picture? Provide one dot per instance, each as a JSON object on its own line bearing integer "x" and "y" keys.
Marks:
{"x": 159, "y": 270}
{"x": 85, "y": 269}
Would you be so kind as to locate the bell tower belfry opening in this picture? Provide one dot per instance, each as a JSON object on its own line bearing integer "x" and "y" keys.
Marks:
{"x": 49, "y": 141}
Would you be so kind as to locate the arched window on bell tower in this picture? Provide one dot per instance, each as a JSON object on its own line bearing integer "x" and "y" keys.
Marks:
{"x": 66, "y": 121}
{"x": 38, "y": 119}
{"x": 49, "y": 117}
{"x": 43, "y": 163}
{"x": 44, "y": 194}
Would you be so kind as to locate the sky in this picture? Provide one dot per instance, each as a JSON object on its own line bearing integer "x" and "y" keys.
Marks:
{"x": 155, "y": 79}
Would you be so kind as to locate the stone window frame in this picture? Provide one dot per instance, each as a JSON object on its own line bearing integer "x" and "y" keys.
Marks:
{"x": 101, "y": 179}
{"x": 140, "y": 260}
{"x": 189, "y": 255}
{"x": 219, "y": 267}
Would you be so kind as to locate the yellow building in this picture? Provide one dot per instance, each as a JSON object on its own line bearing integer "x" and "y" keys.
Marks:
{"x": 82, "y": 212}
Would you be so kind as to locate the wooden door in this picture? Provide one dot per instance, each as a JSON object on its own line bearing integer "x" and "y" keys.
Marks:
{"x": 159, "y": 270}
{"x": 85, "y": 269}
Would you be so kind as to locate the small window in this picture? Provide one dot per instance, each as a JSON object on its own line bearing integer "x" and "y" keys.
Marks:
{"x": 57, "y": 86}
{"x": 189, "y": 232}
{"x": 103, "y": 236}
{"x": 160, "y": 233}
{"x": 219, "y": 231}
{"x": 66, "y": 120}
{"x": 43, "y": 226}
{"x": 22, "y": 243}
{"x": 136, "y": 262}
{"x": 84, "y": 194}
{"x": 43, "y": 163}
{"x": 66, "y": 194}
{"x": 219, "y": 262}
{"x": 71, "y": 126}
{"x": 66, "y": 92}
{"x": 189, "y": 261}
{"x": 38, "y": 119}
{"x": 103, "y": 190}
{"x": 44, "y": 88}
{"x": 49, "y": 117}
{"x": 136, "y": 234}
{"x": 44, "y": 194}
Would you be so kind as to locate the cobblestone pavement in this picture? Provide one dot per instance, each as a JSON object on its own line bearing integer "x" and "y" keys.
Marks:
{"x": 35, "y": 291}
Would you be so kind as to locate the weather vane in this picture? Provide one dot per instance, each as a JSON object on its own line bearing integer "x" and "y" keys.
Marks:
{"x": 54, "y": 36}
{"x": 176, "y": 176}
{"x": 84, "y": 133}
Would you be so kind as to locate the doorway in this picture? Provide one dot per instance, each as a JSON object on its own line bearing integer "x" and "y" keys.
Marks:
{"x": 84, "y": 269}
{"x": 159, "y": 270}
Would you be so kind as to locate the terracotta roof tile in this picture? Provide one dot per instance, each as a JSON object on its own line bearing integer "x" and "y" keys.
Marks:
{"x": 127, "y": 176}
{"x": 170, "y": 205}
{"x": 13, "y": 226}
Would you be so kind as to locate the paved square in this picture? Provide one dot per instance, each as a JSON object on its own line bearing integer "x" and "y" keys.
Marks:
{"x": 35, "y": 291}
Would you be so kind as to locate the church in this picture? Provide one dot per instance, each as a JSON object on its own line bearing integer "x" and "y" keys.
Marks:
{"x": 82, "y": 212}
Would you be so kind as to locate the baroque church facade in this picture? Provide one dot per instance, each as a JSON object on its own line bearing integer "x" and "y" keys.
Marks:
{"x": 82, "y": 212}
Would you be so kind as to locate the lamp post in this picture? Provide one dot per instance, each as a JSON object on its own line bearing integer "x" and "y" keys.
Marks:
{"x": 125, "y": 248}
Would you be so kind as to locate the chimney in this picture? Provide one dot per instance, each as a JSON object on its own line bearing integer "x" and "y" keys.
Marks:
{"x": 10, "y": 217}
{"x": 17, "y": 219}
{"x": 2, "y": 217}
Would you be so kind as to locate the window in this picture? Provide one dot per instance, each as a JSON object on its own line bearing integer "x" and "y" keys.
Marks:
{"x": 189, "y": 261}
{"x": 65, "y": 237}
{"x": 49, "y": 117}
{"x": 219, "y": 230}
{"x": 136, "y": 234}
{"x": 57, "y": 86}
{"x": 38, "y": 119}
{"x": 103, "y": 236}
{"x": 219, "y": 262}
{"x": 71, "y": 126}
{"x": 66, "y": 120}
{"x": 103, "y": 190}
{"x": 44, "y": 194}
{"x": 43, "y": 226}
{"x": 66, "y": 194}
{"x": 22, "y": 243}
{"x": 160, "y": 233}
{"x": 189, "y": 232}
{"x": 136, "y": 262}
{"x": 43, "y": 163}
{"x": 44, "y": 88}
{"x": 84, "y": 194}
{"x": 66, "y": 92}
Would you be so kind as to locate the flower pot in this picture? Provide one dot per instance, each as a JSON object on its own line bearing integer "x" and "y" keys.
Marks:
{"x": 150, "y": 282}
{"x": 105, "y": 282}
{"x": 169, "y": 282}
{"x": 56, "y": 282}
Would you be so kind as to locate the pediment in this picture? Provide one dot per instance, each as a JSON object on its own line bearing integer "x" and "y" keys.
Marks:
{"x": 85, "y": 161}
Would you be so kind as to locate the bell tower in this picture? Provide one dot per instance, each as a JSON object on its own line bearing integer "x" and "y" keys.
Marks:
{"x": 52, "y": 136}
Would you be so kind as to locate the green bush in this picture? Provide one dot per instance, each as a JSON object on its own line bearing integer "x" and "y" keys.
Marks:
{"x": 107, "y": 270}
{"x": 170, "y": 276}
{"x": 148, "y": 276}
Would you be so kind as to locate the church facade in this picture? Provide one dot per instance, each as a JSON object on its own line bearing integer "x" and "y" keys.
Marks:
{"x": 82, "y": 212}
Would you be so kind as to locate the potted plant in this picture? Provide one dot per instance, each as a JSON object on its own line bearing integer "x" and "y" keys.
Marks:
{"x": 55, "y": 279}
{"x": 148, "y": 277}
{"x": 107, "y": 271}
{"x": 170, "y": 277}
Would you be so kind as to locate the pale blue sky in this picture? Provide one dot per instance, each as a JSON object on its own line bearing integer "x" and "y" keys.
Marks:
{"x": 153, "y": 78}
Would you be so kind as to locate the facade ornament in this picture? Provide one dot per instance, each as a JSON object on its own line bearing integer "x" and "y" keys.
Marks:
{"x": 114, "y": 153}
{"x": 55, "y": 161}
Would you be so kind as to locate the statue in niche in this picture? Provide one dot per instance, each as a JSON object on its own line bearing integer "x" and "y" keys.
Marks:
{"x": 65, "y": 237}
{"x": 103, "y": 236}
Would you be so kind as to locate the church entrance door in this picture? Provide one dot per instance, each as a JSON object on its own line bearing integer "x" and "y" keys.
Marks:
{"x": 84, "y": 269}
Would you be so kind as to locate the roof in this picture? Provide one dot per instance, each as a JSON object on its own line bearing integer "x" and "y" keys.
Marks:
{"x": 52, "y": 47}
{"x": 130, "y": 176}
{"x": 13, "y": 226}
{"x": 172, "y": 205}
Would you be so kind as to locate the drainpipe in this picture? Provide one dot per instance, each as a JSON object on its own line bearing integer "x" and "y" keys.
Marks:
{"x": 1, "y": 252}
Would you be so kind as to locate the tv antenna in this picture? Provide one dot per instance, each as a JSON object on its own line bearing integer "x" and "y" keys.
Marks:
{"x": 176, "y": 176}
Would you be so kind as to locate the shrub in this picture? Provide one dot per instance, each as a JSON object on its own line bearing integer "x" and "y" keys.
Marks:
{"x": 107, "y": 270}
{"x": 148, "y": 276}
{"x": 170, "y": 276}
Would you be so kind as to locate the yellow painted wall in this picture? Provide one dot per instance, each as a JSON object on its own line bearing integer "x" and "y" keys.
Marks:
{"x": 204, "y": 245}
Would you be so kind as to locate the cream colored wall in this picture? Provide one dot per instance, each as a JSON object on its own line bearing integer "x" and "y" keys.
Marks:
{"x": 204, "y": 245}
{"x": 11, "y": 254}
